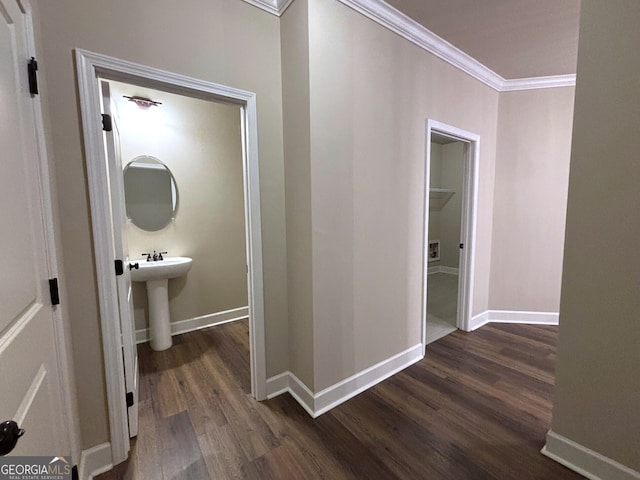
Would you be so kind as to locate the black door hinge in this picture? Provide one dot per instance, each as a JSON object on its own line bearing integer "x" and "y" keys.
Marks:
{"x": 119, "y": 267}
{"x": 74, "y": 473}
{"x": 129, "y": 399}
{"x": 462, "y": 245}
{"x": 107, "y": 124}
{"x": 53, "y": 290}
{"x": 32, "y": 68}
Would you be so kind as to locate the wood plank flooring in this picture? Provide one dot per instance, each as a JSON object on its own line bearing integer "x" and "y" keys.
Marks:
{"x": 477, "y": 407}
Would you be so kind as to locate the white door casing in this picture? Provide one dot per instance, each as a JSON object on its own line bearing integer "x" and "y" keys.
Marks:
{"x": 121, "y": 253}
{"x": 31, "y": 333}
{"x": 91, "y": 69}
{"x": 468, "y": 222}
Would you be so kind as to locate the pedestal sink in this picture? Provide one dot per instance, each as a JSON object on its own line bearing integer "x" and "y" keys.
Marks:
{"x": 156, "y": 275}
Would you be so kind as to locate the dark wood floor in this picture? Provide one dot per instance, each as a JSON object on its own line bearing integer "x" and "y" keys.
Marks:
{"x": 477, "y": 407}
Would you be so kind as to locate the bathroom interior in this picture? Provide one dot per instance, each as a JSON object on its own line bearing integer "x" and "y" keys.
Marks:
{"x": 445, "y": 217}
{"x": 182, "y": 165}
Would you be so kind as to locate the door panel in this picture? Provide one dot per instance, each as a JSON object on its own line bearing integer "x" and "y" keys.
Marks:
{"x": 31, "y": 393}
{"x": 121, "y": 251}
{"x": 18, "y": 290}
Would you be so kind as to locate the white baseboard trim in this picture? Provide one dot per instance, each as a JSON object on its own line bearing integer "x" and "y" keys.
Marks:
{"x": 95, "y": 461}
{"x": 479, "y": 320}
{"x": 442, "y": 269}
{"x": 585, "y": 461}
{"x": 197, "y": 323}
{"x": 348, "y": 388}
{"x": 449, "y": 270}
{"x": 278, "y": 384}
{"x": 330, "y": 397}
{"x": 513, "y": 316}
{"x": 303, "y": 395}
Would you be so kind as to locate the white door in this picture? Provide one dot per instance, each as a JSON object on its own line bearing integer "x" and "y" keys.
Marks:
{"x": 121, "y": 252}
{"x": 30, "y": 385}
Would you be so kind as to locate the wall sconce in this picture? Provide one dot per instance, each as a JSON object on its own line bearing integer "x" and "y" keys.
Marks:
{"x": 143, "y": 102}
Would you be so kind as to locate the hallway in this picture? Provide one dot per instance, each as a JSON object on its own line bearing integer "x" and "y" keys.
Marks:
{"x": 477, "y": 407}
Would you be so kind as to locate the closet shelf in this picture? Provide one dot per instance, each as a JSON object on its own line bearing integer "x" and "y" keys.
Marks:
{"x": 438, "y": 197}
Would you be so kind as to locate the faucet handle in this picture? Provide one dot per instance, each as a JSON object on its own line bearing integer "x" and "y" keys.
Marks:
{"x": 148, "y": 256}
{"x": 160, "y": 255}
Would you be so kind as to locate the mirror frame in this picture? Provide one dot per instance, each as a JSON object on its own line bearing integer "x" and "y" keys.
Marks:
{"x": 176, "y": 196}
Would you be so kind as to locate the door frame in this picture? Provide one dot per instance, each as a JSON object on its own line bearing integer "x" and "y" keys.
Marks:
{"x": 468, "y": 221}
{"x": 91, "y": 68}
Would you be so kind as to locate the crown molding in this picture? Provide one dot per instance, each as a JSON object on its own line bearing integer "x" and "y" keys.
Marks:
{"x": 393, "y": 19}
{"x": 274, "y": 7}
{"x": 552, "y": 81}
{"x": 396, "y": 21}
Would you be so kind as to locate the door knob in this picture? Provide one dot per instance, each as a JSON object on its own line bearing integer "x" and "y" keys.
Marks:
{"x": 134, "y": 265}
{"x": 9, "y": 435}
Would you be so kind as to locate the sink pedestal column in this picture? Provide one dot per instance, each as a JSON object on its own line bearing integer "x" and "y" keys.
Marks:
{"x": 159, "y": 324}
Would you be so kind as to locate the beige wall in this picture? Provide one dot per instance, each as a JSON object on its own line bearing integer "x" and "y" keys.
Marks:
{"x": 208, "y": 40}
{"x": 200, "y": 142}
{"x": 371, "y": 92}
{"x": 532, "y": 171}
{"x": 296, "y": 118}
{"x": 597, "y": 394}
{"x": 450, "y": 216}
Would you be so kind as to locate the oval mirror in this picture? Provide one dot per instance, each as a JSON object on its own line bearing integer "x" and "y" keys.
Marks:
{"x": 151, "y": 193}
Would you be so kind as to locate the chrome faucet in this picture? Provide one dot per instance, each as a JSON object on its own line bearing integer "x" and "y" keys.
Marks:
{"x": 155, "y": 257}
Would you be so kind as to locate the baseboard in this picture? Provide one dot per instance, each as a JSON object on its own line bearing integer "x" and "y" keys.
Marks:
{"x": 442, "y": 269}
{"x": 585, "y": 461}
{"x": 197, "y": 323}
{"x": 94, "y": 461}
{"x": 479, "y": 320}
{"x": 330, "y": 397}
{"x": 513, "y": 316}
{"x": 303, "y": 395}
{"x": 449, "y": 270}
{"x": 277, "y": 385}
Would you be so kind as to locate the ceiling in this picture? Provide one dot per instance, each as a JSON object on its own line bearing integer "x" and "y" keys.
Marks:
{"x": 514, "y": 38}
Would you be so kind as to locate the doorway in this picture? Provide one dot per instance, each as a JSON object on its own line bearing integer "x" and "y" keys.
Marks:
{"x": 93, "y": 69}
{"x": 449, "y": 235}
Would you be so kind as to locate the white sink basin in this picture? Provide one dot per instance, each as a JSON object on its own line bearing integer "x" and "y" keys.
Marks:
{"x": 170, "y": 267}
{"x": 156, "y": 275}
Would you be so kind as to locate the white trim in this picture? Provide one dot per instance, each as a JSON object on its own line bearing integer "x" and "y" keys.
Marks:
{"x": 278, "y": 384}
{"x": 442, "y": 269}
{"x": 552, "y": 81}
{"x": 514, "y": 316}
{"x": 303, "y": 395}
{"x": 330, "y": 397}
{"x": 396, "y": 21}
{"x": 479, "y": 320}
{"x": 274, "y": 7}
{"x": 469, "y": 219}
{"x": 90, "y": 67}
{"x": 393, "y": 19}
{"x": 342, "y": 391}
{"x": 95, "y": 461}
{"x": 198, "y": 323}
{"x": 585, "y": 461}
{"x": 449, "y": 270}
